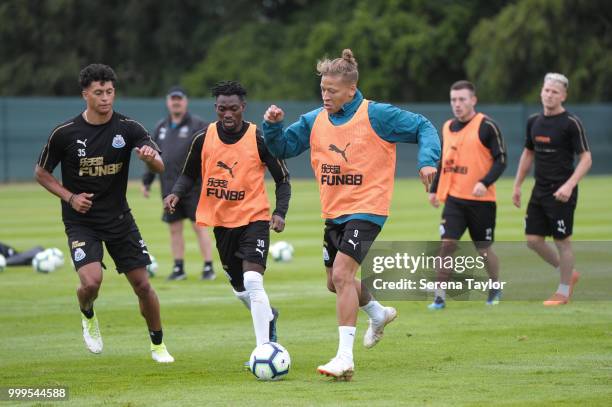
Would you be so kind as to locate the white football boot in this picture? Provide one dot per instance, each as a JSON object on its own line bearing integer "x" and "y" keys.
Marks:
{"x": 375, "y": 332}
{"x": 338, "y": 368}
{"x": 91, "y": 334}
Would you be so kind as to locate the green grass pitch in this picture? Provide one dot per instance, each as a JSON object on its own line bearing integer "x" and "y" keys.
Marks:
{"x": 515, "y": 354}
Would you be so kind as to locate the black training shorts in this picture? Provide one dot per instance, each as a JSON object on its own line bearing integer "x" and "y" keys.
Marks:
{"x": 353, "y": 238}
{"x": 244, "y": 243}
{"x": 121, "y": 237}
{"x": 478, "y": 217}
{"x": 547, "y": 216}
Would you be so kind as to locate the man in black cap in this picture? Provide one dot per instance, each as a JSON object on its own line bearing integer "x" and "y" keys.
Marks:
{"x": 174, "y": 135}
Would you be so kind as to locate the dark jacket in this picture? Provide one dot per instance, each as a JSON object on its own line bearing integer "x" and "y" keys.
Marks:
{"x": 174, "y": 142}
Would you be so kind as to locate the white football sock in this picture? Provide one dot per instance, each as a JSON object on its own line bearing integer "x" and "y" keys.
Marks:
{"x": 440, "y": 293}
{"x": 375, "y": 311}
{"x": 563, "y": 289}
{"x": 260, "y": 306}
{"x": 244, "y": 297}
{"x": 345, "y": 344}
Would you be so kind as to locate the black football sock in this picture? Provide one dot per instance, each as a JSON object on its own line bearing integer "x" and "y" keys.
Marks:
{"x": 156, "y": 337}
{"x": 88, "y": 313}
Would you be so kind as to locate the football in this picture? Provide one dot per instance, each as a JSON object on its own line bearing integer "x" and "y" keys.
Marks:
{"x": 270, "y": 361}
{"x": 281, "y": 251}
{"x": 2, "y": 263}
{"x": 152, "y": 268}
{"x": 57, "y": 255}
{"x": 44, "y": 262}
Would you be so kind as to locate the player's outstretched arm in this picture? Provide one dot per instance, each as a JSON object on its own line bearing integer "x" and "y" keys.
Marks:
{"x": 521, "y": 172}
{"x": 79, "y": 202}
{"x": 289, "y": 142}
{"x": 151, "y": 158}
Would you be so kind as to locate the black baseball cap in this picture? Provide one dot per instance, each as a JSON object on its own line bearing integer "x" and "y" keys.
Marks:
{"x": 177, "y": 91}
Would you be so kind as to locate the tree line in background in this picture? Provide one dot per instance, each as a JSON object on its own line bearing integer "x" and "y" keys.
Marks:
{"x": 407, "y": 50}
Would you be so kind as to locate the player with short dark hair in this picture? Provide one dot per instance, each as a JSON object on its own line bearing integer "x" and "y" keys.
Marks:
{"x": 230, "y": 156}
{"x": 473, "y": 158}
{"x": 229, "y": 88}
{"x": 352, "y": 143}
{"x": 463, "y": 84}
{"x": 94, "y": 150}
{"x": 173, "y": 135}
{"x": 554, "y": 137}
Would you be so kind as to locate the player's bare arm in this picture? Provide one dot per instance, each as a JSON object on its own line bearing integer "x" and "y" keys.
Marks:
{"x": 523, "y": 168}
{"x": 564, "y": 192}
{"x": 79, "y": 202}
{"x": 151, "y": 158}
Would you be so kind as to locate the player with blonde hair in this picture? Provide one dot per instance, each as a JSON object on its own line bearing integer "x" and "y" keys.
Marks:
{"x": 554, "y": 137}
{"x": 352, "y": 149}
